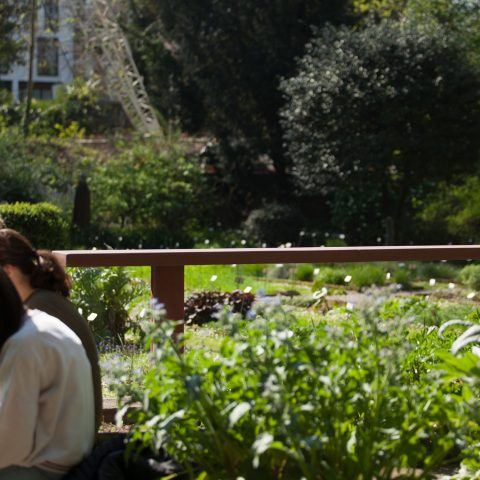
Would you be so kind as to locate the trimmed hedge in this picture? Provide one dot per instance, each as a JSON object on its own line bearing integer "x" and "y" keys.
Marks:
{"x": 42, "y": 223}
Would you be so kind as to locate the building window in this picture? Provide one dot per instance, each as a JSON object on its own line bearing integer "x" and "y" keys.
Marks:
{"x": 41, "y": 90}
{"x": 51, "y": 15}
{"x": 6, "y": 85}
{"x": 47, "y": 57}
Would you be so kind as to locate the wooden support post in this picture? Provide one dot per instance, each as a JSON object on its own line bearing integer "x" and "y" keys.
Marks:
{"x": 168, "y": 288}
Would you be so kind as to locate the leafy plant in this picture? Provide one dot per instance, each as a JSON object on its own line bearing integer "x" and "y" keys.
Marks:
{"x": 470, "y": 275}
{"x": 203, "y": 307}
{"x": 285, "y": 398}
{"x": 105, "y": 296}
{"x": 304, "y": 272}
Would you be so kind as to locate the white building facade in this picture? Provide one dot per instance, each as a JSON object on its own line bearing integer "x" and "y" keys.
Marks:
{"x": 54, "y": 54}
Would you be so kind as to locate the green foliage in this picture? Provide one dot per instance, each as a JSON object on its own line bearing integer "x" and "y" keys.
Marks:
{"x": 453, "y": 210}
{"x": 403, "y": 277}
{"x": 304, "y": 272}
{"x": 461, "y": 367}
{"x": 470, "y": 275}
{"x": 274, "y": 224}
{"x": 105, "y": 296}
{"x": 38, "y": 169}
{"x": 203, "y": 307}
{"x": 438, "y": 270}
{"x": 42, "y": 223}
{"x": 149, "y": 194}
{"x": 285, "y": 398}
{"x": 358, "y": 275}
{"x": 11, "y": 43}
{"x": 365, "y": 111}
{"x": 424, "y": 312}
{"x": 234, "y": 54}
{"x": 329, "y": 276}
{"x": 368, "y": 275}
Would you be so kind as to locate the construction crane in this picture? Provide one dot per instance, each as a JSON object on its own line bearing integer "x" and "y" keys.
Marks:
{"x": 97, "y": 20}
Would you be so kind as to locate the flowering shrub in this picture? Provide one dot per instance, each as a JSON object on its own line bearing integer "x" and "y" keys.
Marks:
{"x": 203, "y": 307}
{"x": 287, "y": 398}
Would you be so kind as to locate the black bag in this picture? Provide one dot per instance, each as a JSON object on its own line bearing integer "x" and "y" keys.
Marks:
{"x": 109, "y": 462}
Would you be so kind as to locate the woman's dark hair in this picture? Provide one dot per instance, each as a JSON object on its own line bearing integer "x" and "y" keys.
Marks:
{"x": 40, "y": 266}
{"x": 11, "y": 308}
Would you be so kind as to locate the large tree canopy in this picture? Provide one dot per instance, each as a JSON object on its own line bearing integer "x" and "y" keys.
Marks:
{"x": 376, "y": 116}
{"x": 234, "y": 53}
{"x": 10, "y": 41}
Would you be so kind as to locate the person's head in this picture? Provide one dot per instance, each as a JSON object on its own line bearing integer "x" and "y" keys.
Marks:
{"x": 11, "y": 308}
{"x": 39, "y": 268}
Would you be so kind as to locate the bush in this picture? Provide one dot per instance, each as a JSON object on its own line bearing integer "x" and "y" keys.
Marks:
{"x": 304, "y": 272}
{"x": 205, "y": 307}
{"x": 152, "y": 188}
{"x": 105, "y": 296}
{"x": 41, "y": 223}
{"x": 368, "y": 275}
{"x": 452, "y": 212}
{"x": 275, "y": 224}
{"x": 330, "y": 276}
{"x": 470, "y": 275}
{"x": 442, "y": 270}
{"x": 403, "y": 277}
{"x": 366, "y": 109}
{"x": 288, "y": 398}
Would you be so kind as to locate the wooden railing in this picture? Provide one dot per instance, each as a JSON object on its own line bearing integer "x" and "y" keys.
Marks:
{"x": 168, "y": 266}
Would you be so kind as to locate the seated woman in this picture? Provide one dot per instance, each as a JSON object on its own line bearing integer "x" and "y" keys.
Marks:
{"x": 43, "y": 284}
{"x": 46, "y": 393}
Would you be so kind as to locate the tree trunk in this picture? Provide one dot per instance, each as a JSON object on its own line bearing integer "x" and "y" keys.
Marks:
{"x": 31, "y": 57}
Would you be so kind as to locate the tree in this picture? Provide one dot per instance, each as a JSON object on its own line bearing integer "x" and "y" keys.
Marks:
{"x": 11, "y": 43}
{"x": 375, "y": 117}
{"x": 234, "y": 53}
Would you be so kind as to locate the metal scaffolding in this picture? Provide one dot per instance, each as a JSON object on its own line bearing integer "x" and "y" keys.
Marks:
{"x": 97, "y": 21}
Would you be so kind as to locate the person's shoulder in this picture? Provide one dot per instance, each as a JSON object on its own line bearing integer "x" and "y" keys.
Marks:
{"x": 52, "y": 303}
{"x": 40, "y": 327}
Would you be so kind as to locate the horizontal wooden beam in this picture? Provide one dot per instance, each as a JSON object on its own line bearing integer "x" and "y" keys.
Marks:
{"x": 225, "y": 256}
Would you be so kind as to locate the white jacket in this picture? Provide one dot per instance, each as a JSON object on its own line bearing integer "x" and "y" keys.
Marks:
{"x": 46, "y": 397}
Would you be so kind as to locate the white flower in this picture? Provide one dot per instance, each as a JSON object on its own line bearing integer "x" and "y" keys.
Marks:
{"x": 92, "y": 317}
{"x": 288, "y": 245}
{"x": 80, "y": 311}
{"x": 432, "y": 282}
{"x": 348, "y": 279}
{"x": 471, "y": 295}
{"x": 234, "y": 265}
{"x": 350, "y": 306}
{"x": 476, "y": 351}
{"x": 388, "y": 275}
{"x": 316, "y": 271}
{"x": 248, "y": 289}
{"x": 320, "y": 293}
{"x": 341, "y": 236}
{"x": 213, "y": 278}
{"x": 243, "y": 242}
{"x": 207, "y": 241}
{"x": 451, "y": 286}
{"x": 279, "y": 265}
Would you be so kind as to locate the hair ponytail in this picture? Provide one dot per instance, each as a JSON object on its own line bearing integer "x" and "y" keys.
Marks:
{"x": 49, "y": 274}
{"x": 41, "y": 267}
